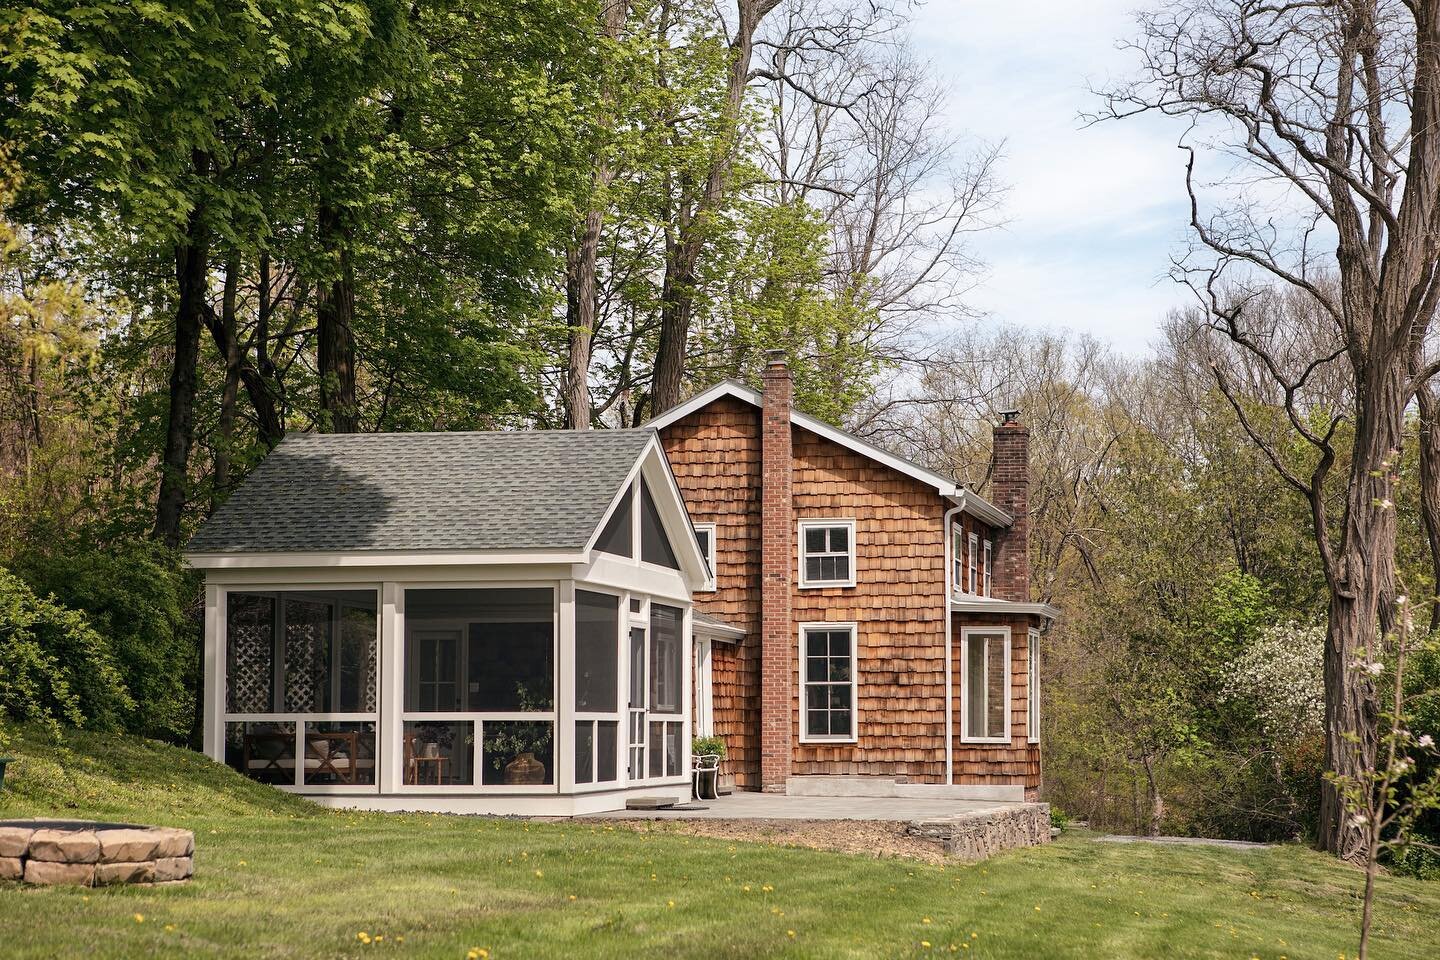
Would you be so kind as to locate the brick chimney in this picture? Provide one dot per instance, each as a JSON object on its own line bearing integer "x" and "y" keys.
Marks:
{"x": 777, "y": 557}
{"x": 1010, "y": 491}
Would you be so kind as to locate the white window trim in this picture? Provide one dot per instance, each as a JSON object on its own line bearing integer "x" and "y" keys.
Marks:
{"x": 802, "y": 581}
{"x": 987, "y": 579}
{"x": 709, "y": 585}
{"x": 965, "y": 634}
{"x": 854, "y": 681}
{"x": 1032, "y": 686}
{"x": 971, "y": 563}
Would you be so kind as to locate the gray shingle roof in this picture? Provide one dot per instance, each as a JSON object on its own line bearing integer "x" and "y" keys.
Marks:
{"x": 531, "y": 490}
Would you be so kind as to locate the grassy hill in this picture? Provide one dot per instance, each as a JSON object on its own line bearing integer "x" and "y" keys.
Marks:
{"x": 279, "y": 877}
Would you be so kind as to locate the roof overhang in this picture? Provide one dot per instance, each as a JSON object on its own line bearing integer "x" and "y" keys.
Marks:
{"x": 994, "y": 605}
{"x": 715, "y": 630}
{"x": 967, "y": 499}
{"x": 377, "y": 558}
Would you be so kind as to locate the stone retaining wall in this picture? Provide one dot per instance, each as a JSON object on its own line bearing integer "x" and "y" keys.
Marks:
{"x": 984, "y": 833}
{"x": 91, "y": 855}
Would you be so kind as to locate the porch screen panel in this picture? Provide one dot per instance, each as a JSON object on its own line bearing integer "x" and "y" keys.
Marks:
{"x": 480, "y": 650}
{"x": 667, "y": 668}
{"x": 597, "y": 652}
{"x": 292, "y": 655}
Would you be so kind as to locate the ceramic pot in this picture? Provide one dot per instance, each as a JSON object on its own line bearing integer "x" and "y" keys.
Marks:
{"x": 525, "y": 769}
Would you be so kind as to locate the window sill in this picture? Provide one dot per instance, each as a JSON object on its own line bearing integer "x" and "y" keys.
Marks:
{"x": 987, "y": 741}
{"x": 829, "y": 740}
{"x": 836, "y": 584}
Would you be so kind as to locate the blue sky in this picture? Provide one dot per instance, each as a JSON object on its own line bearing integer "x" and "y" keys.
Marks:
{"x": 1094, "y": 213}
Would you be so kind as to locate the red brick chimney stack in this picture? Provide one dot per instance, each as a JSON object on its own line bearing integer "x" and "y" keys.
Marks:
{"x": 1010, "y": 491}
{"x": 777, "y": 555}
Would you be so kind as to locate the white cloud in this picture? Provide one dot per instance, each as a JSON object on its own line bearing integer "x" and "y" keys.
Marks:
{"x": 1095, "y": 212}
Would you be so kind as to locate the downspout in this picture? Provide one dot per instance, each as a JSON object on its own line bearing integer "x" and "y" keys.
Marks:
{"x": 949, "y": 668}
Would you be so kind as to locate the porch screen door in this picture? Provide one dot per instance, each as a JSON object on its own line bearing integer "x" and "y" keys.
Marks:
{"x": 636, "y": 709}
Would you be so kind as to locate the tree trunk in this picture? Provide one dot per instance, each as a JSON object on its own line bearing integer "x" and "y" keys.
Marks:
{"x": 1361, "y": 601}
{"x": 335, "y": 311}
{"x": 191, "y": 265}
{"x": 260, "y": 380}
{"x": 581, "y": 261}
{"x": 1152, "y": 795}
{"x": 682, "y": 255}
{"x": 230, "y": 393}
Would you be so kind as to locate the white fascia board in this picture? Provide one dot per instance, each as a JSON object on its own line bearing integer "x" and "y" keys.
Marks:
{"x": 973, "y": 502}
{"x": 378, "y": 558}
{"x": 993, "y": 605}
{"x": 717, "y": 631}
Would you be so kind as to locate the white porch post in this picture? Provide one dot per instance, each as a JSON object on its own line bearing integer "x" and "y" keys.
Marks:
{"x": 687, "y": 729}
{"x": 565, "y": 691}
{"x": 213, "y": 683}
{"x": 390, "y": 732}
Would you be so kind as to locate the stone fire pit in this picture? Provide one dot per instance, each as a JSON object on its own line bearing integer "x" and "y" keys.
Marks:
{"x": 88, "y": 853}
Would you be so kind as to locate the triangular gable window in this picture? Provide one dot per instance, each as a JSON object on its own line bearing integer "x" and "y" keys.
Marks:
{"x": 654, "y": 545}
{"x": 617, "y": 538}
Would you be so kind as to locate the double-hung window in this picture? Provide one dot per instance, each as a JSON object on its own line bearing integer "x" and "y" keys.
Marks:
{"x": 1032, "y": 685}
{"x": 827, "y": 553}
{"x": 705, "y": 534}
{"x": 827, "y": 682}
{"x": 986, "y": 577}
{"x": 972, "y": 562}
{"x": 985, "y": 680}
{"x": 957, "y": 558}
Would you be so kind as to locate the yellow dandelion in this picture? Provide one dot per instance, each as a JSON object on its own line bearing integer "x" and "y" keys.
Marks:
{"x": 1037, "y": 908}
{"x": 746, "y": 888}
{"x": 139, "y": 918}
{"x": 924, "y": 919}
{"x": 539, "y": 873}
{"x": 925, "y": 944}
{"x": 169, "y": 928}
{"x": 790, "y": 934}
{"x": 766, "y": 889}
{"x": 572, "y": 897}
{"x": 363, "y": 937}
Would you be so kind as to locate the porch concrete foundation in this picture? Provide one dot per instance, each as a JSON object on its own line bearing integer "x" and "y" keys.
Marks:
{"x": 901, "y": 789}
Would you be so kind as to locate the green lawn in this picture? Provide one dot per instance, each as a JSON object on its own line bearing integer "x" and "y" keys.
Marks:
{"x": 276, "y": 877}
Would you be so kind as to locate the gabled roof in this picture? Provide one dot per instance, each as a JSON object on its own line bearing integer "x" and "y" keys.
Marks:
{"x": 972, "y": 502}
{"x": 543, "y": 490}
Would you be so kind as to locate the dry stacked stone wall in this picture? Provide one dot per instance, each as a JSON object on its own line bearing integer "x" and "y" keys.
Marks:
{"x": 984, "y": 833}
{"x": 93, "y": 854}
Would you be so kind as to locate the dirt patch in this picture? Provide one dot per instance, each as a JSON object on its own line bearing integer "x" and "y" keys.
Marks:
{"x": 877, "y": 838}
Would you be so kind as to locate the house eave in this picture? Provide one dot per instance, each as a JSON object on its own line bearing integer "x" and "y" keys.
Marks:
{"x": 239, "y": 559}
{"x": 994, "y": 605}
{"x": 973, "y": 503}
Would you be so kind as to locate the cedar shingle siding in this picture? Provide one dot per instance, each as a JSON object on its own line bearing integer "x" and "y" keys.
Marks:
{"x": 898, "y": 602}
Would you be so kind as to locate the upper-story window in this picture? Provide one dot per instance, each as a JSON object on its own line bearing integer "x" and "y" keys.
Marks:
{"x": 827, "y": 553}
{"x": 705, "y": 534}
{"x": 957, "y": 558}
{"x": 987, "y": 578}
{"x": 972, "y": 564}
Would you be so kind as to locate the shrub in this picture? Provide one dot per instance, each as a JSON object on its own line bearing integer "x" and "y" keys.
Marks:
{"x": 134, "y": 595}
{"x": 54, "y": 667}
{"x": 711, "y": 744}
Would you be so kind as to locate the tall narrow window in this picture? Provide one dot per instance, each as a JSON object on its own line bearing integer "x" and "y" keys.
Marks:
{"x": 985, "y": 667}
{"x": 957, "y": 559}
{"x": 986, "y": 578}
{"x": 827, "y": 553}
{"x": 971, "y": 563}
{"x": 705, "y": 534}
{"x": 1032, "y": 685}
{"x": 597, "y": 652}
{"x": 827, "y": 665}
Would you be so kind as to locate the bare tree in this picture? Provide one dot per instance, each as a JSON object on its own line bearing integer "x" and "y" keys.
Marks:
{"x": 1335, "y": 106}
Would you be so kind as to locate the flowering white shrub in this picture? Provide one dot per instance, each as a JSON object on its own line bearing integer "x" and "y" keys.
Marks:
{"x": 1280, "y": 676}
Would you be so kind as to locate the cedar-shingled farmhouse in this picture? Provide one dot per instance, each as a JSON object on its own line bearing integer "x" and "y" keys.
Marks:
{"x": 890, "y": 646}
{"x": 539, "y": 622}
